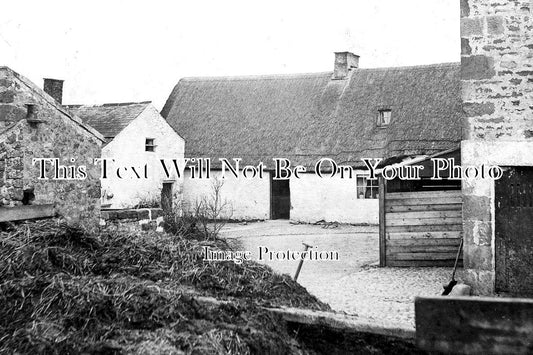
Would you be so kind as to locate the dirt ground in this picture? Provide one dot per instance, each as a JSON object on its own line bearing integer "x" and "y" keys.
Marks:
{"x": 354, "y": 284}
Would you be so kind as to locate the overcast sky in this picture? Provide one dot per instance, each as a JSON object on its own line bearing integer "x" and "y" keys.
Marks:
{"x": 120, "y": 51}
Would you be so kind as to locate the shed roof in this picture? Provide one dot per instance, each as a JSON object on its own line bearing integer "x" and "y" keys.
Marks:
{"x": 109, "y": 119}
{"x": 307, "y": 116}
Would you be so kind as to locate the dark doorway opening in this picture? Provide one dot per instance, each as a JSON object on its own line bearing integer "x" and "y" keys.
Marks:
{"x": 166, "y": 197}
{"x": 280, "y": 202}
{"x": 514, "y": 232}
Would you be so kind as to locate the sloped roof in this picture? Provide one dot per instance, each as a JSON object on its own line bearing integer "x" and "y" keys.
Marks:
{"x": 50, "y": 100}
{"x": 308, "y": 116}
{"x": 109, "y": 119}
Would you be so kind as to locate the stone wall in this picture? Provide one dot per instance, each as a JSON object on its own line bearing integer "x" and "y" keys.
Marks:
{"x": 133, "y": 219}
{"x": 33, "y": 126}
{"x": 497, "y": 92}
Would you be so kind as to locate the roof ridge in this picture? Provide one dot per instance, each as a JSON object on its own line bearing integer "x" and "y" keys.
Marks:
{"x": 256, "y": 77}
{"x": 115, "y": 104}
{"x": 309, "y": 75}
{"x": 420, "y": 66}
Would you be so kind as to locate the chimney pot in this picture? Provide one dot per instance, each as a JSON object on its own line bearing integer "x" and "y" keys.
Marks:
{"x": 344, "y": 62}
{"x": 54, "y": 88}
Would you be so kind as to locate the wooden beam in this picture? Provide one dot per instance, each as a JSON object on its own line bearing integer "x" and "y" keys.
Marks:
{"x": 424, "y": 235}
{"x": 425, "y": 194}
{"x": 424, "y": 207}
{"x": 431, "y": 228}
{"x": 425, "y": 241}
{"x": 424, "y": 263}
{"x": 19, "y": 213}
{"x": 425, "y": 214}
{"x": 451, "y": 255}
{"x": 423, "y": 201}
{"x": 382, "y": 228}
{"x": 424, "y": 221}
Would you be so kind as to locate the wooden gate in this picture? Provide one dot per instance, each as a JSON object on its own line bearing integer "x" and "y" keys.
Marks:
{"x": 514, "y": 232}
{"x": 420, "y": 228}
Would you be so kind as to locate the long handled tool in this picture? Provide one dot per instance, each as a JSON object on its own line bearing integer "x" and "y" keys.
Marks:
{"x": 307, "y": 246}
{"x": 448, "y": 288}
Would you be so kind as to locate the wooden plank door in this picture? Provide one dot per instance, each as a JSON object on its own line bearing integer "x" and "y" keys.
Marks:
{"x": 514, "y": 232}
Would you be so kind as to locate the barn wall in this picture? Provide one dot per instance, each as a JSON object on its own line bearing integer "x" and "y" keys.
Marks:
{"x": 56, "y": 136}
{"x": 128, "y": 149}
{"x": 422, "y": 228}
{"x": 330, "y": 199}
{"x": 249, "y": 199}
{"x": 497, "y": 93}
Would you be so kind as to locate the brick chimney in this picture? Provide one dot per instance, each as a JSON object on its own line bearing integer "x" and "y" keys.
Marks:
{"x": 344, "y": 62}
{"x": 54, "y": 88}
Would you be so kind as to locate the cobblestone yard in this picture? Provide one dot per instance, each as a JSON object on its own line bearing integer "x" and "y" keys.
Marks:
{"x": 354, "y": 284}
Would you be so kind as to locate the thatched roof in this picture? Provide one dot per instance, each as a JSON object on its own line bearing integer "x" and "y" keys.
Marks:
{"x": 308, "y": 116}
{"x": 109, "y": 119}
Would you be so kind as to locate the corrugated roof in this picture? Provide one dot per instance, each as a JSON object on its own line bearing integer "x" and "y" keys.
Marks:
{"x": 308, "y": 116}
{"x": 109, "y": 119}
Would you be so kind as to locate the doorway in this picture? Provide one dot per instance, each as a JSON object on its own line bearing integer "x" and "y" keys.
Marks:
{"x": 280, "y": 201}
{"x": 514, "y": 232}
{"x": 166, "y": 197}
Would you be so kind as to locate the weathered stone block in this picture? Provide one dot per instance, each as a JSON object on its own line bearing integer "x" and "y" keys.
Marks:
{"x": 143, "y": 214}
{"x": 465, "y": 47}
{"x": 11, "y": 113}
{"x": 477, "y": 67}
{"x": 471, "y": 27}
{"x": 495, "y": 25}
{"x": 5, "y": 83}
{"x": 473, "y": 109}
{"x": 7, "y": 97}
{"x": 476, "y": 208}
{"x": 465, "y": 8}
{"x": 477, "y": 257}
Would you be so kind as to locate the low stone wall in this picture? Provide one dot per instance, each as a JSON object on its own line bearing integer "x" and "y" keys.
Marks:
{"x": 142, "y": 219}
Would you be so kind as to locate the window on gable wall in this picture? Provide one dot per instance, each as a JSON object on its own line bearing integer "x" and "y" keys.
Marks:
{"x": 384, "y": 117}
{"x": 149, "y": 146}
{"x": 367, "y": 188}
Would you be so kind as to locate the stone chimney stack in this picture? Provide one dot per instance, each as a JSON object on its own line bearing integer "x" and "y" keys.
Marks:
{"x": 54, "y": 88}
{"x": 344, "y": 62}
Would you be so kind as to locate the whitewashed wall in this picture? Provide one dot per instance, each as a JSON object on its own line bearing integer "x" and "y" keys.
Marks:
{"x": 249, "y": 198}
{"x": 330, "y": 199}
{"x": 128, "y": 149}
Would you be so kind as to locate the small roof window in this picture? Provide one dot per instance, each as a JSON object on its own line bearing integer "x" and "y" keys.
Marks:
{"x": 384, "y": 117}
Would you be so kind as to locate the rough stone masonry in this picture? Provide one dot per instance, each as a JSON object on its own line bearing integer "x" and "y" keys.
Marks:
{"x": 32, "y": 125}
{"x": 497, "y": 92}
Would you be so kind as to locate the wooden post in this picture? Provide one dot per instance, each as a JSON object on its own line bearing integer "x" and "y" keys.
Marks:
{"x": 382, "y": 229}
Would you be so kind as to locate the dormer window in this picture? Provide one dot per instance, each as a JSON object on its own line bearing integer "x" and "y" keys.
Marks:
{"x": 149, "y": 146}
{"x": 384, "y": 117}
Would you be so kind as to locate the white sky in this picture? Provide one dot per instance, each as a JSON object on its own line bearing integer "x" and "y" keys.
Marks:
{"x": 119, "y": 51}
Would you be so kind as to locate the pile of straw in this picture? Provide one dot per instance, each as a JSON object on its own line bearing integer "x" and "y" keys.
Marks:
{"x": 68, "y": 290}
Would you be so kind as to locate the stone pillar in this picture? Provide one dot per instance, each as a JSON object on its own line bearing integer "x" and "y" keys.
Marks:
{"x": 497, "y": 93}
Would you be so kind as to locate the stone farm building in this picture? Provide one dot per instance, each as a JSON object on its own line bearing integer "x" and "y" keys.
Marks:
{"x": 497, "y": 93}
{"x": 136, "y": 135}
{"x": 34, "y": 125}
{"x": 345, "y": 115}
